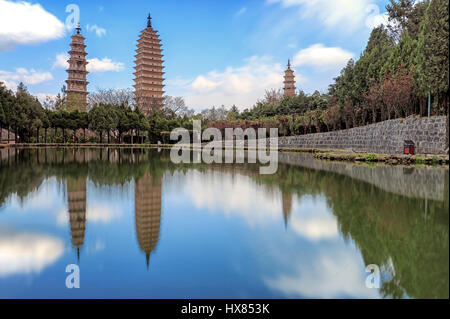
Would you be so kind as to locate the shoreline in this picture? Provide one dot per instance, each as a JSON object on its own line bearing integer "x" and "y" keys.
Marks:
{"x": 320, "y": 154}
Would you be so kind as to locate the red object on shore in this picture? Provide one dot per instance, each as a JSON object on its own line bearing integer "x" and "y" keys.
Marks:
{"x": 409, "y": 148}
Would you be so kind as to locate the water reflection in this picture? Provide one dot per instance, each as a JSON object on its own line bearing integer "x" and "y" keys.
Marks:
{"x": 76, "y": 197}
{"x": 308, "y": 231}
{"x": 147, "y": 199}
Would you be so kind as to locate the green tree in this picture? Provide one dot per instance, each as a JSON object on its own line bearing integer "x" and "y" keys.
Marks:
{"x": 433, "y": 52}
{"x": 102, "y": 119}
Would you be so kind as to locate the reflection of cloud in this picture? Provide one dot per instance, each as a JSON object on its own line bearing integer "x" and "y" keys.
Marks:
{"x": 313, "y": 220}
{"x": 233, "y": 195}
{"x": 96, "y": 213}
{"x": 24, "y": 253}
{"x": 334, "y": 274}
{"x": 62, "y": 217}
{"x": 98, "y": 246}
{"x": 102, "y": 213}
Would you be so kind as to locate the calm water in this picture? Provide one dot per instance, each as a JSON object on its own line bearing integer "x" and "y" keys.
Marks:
{"x": 141, "y": 227}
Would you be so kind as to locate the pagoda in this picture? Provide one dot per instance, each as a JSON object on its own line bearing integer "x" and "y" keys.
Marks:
{"x": 76, "y": 82}
{"x": 289, "y": 81}
{"x": 149, "y": 71}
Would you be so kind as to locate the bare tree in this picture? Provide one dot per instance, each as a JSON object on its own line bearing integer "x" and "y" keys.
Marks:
{"x": 215, "y": 114}
{"x": 177, "y": 106}
{"x": 272, "y": 97}
{"x": 55, "y": 102}
{"x": 111, "y": 96}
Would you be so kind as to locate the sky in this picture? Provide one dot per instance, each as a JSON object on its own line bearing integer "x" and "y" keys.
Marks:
{"x": 215, "y": 52}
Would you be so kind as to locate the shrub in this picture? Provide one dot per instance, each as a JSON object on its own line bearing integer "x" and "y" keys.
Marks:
{"x": 371, "y": 157}
{"x": 420, "y": 160}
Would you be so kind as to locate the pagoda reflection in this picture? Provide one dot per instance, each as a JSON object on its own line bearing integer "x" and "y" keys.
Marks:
{"x": 76, "y": 197}
{"x": 287, "y": 207}
{"x": 147, "y": 194}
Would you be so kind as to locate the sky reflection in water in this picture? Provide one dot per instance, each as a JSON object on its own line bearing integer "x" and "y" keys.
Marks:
{"x": 142, "y": 227}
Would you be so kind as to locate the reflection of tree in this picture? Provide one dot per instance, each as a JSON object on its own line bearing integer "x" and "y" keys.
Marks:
{"x": 147, "y": 194}
{"x": 392, "y": 231}
{"x": 76, "y": 197}
{"x": 17, "y": 176}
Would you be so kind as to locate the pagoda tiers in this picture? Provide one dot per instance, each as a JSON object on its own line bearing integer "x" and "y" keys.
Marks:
{"x": 289, "y": 81}
{"x": 76, "y": 82}
{"x": 76, "y": 197}
{"x": 147, "y": 201}
{"x": 149, "y": 71}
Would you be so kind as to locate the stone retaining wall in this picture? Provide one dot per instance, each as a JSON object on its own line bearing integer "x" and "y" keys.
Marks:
{"x": 428, "y": 134}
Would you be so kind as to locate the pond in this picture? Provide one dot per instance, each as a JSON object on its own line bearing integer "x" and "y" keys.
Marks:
{"x": 139, "y": 226}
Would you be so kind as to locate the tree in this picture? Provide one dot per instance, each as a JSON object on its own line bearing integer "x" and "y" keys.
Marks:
{"x": 111, "y": 97}
{"x": 101, "y": 119}
{"x": 433, "y": 52}
{"x": 176, "y": 106}
{"x": 406, "y": 15}
{"x": 123, "y": 120}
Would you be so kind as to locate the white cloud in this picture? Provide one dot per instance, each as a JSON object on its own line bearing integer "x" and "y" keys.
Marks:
{"x": 241, "y": 86}
{"x": 375, "y": 18}
{"x": 23, "y": 23}
{"x": 103, "y": 65}
{"x": 241, "y": 11}
{"x": 61, "y": 61}
{"x": 95, "y": 28}
{"x": 94, "y": 65}
{"x": 31, "y": 77}
{"x": 322, "y": 57}
{"x": 348, "y": 15}
{"x": 25, "y": 253}
{"x": 43, "y": 96}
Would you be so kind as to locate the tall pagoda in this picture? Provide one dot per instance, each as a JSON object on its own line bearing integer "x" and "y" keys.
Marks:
{"x": 147, "y": 201}
{"x": 76, "y": 82}
{"x": 149, "y": 71}
{"x": 289, "y": 81}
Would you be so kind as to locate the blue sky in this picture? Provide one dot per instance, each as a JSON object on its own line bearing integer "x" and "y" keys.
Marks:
{"x": 216, "y": 52}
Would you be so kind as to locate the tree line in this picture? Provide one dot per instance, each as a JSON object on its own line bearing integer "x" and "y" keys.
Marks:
{"x": 110, "y": 116}
{"x": 403, "y": 65}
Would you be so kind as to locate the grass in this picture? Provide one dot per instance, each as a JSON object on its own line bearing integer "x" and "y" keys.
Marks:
{"x": 371, "y": 157}
{"x": 420, "y": 159}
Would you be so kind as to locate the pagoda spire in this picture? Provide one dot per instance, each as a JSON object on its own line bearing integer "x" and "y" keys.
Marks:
{"x": 78, "y": 28}
{"x": 149, "y": 21}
